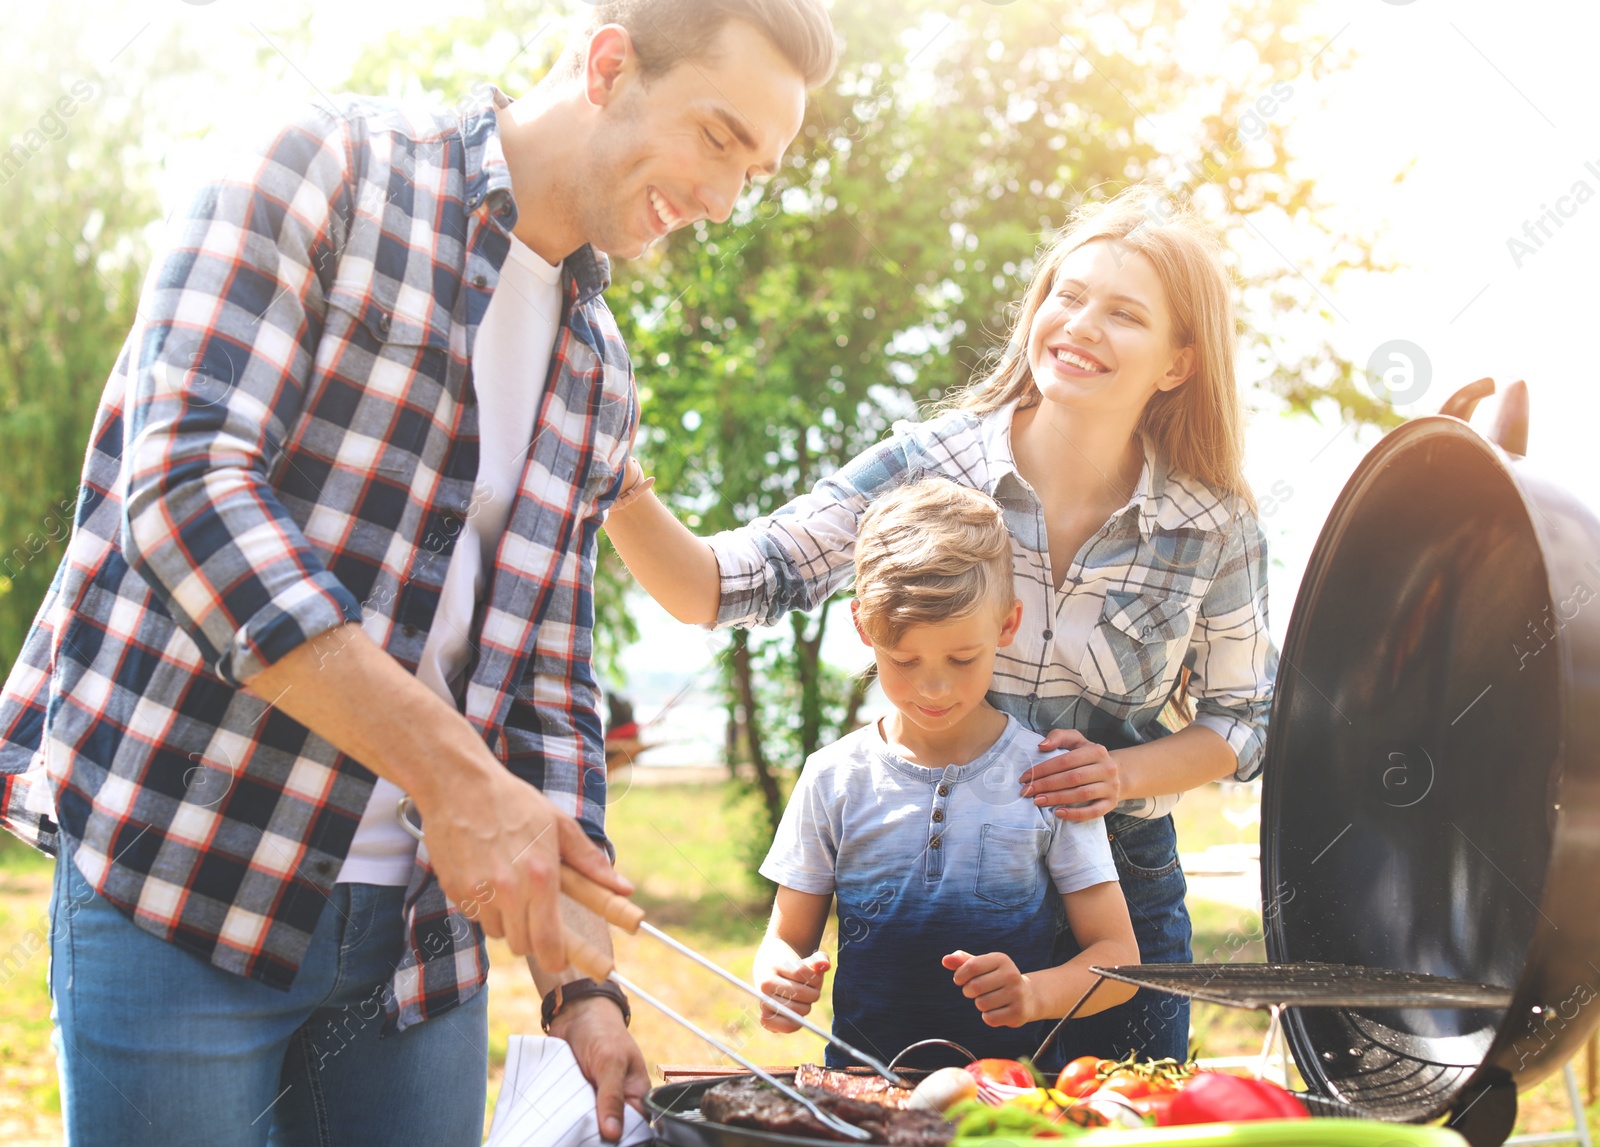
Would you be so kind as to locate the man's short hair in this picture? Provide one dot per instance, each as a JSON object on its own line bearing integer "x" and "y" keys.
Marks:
{"x": 667, "y": 32}
{"x": 927, "y": 553}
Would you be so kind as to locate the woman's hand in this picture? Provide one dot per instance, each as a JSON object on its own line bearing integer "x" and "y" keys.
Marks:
{"x": 798, "y": 983}
{"x": 1082, "y": 783}
{"x": 1003, "y": 994}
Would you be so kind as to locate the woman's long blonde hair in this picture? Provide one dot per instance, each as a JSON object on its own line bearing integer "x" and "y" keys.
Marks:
{"x": 1199, "y": 426}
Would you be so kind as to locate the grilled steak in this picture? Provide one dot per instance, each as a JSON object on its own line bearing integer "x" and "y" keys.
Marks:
{"x": 751, "y": 1103}
{"x": 872, "y": 1088}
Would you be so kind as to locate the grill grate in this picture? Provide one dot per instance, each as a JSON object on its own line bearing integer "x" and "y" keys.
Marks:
{"x": 1308, "y": 985}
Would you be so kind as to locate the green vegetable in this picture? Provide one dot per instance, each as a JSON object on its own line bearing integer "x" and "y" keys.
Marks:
{"x": 977, "y": 1120}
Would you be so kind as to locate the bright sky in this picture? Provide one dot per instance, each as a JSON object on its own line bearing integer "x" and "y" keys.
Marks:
{"x": 1486, "y": 110}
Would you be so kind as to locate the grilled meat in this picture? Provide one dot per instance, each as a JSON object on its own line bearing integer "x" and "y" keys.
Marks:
{"x": 872, "y": 1088}
{"x": 751, "y": 1103}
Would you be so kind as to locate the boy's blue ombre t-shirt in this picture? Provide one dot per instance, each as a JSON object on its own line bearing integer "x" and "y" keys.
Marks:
{"x": 923, "y": 862}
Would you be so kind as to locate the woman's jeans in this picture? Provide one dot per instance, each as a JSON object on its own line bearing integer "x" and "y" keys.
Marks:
{"x": 156, "y": 1047}
{"x": 1153, "y": 1024}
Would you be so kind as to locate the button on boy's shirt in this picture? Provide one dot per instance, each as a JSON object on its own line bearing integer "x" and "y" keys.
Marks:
{"x": 925, "y": 861}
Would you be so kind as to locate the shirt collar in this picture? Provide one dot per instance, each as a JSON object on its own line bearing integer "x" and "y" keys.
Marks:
{"x": 488, "y": 181}
{"x": 1162, "y": 499}
{"x": 995, "y": 427}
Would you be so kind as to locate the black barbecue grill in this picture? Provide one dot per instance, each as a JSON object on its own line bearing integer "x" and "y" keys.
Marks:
{"x": 1431, "y": 812}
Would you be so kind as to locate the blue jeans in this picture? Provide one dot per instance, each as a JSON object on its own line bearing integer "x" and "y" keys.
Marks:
{"x": 1153, "y": 1024}
{"x": 156, "y": 1047}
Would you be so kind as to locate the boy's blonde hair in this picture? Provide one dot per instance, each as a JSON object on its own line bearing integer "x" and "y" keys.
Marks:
{"x": 927, "y": 553}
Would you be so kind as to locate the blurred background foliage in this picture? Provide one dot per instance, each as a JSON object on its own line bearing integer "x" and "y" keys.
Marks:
{"x": 872, "y": 275}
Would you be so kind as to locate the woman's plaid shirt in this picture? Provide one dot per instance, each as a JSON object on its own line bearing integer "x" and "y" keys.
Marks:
{"x": 289, "y": 442}
{"x": 1177, "y": 577}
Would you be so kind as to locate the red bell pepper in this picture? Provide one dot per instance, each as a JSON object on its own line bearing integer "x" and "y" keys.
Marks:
{"x": 1212, "y": 1097}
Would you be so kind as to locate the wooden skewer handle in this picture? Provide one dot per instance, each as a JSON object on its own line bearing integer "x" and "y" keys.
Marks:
{"x": 585, "y": 957}
{"x": 603, "y": 902}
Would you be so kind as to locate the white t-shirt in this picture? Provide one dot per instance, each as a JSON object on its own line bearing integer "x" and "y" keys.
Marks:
{"x": 510, "y": 366}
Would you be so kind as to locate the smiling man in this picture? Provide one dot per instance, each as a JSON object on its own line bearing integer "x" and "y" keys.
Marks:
{"x": 335, "y": 544}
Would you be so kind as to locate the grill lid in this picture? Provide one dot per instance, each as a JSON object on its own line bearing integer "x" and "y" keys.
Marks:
{"x": 1432, "y": 775}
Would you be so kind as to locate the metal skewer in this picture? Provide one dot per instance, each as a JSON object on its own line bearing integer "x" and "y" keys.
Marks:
{"x": 773, "y": 1002}
{"x": 629, "y": 917}
{"x": 1062, "y": 1022}
{"x": 833, "y": 1121}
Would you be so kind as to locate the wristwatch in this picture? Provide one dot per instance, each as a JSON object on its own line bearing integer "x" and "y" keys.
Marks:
{"x": 565, "y": 994}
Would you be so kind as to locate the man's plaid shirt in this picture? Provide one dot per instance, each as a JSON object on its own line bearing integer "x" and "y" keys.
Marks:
{"x": 289, "y": 442}
{"x": 1177, "y": 577}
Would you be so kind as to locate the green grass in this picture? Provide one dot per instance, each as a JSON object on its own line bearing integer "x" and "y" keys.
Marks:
{"x": 27, "y": 1069}
{"x": 18, "y": 857}
{"x": 686, "y": 848}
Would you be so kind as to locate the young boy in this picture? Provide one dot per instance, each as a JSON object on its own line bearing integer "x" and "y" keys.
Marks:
{"x": 917, "y": 823}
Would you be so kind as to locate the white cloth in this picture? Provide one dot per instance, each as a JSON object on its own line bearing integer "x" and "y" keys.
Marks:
{"x": 545, "y": 1101}
{"x": 510, "y": 365}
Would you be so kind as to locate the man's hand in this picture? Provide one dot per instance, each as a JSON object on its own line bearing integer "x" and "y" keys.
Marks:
{"x": 798, "y": 983}
{"x": 1082, "y": 783}
{"x": 1003, "y": 994}
{"x": 494, "y": 840}
{"x": 497, "y": 845}
{"x": 608, "y": 1057}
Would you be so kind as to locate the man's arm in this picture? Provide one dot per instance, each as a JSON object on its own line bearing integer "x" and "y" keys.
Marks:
{"x": 495, "y": 841}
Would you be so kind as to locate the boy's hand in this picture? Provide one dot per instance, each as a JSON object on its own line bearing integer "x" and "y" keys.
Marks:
{"x": 1003, "y": 994}
{"x": 797, "y": 983}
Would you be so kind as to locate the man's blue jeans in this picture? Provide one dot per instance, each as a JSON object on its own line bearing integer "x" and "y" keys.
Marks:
{"x": 156, "y": 1047}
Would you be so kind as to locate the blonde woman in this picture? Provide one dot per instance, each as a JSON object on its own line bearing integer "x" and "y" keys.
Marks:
{"x": 1109, "y": 430}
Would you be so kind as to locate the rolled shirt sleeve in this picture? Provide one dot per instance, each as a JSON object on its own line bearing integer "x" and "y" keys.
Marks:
{"x": 231, "y": 316}
{"x": 796, "y": 557}
{"x": 1235, "y": 661}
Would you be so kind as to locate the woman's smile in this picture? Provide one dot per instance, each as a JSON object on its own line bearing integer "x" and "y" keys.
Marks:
{"x": 1077, "y": 362}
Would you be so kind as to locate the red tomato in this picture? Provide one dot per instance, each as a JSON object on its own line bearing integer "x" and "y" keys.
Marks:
{"x": 1127, "y": 1086}
{"x": 1000, "y": 1071}
{"x": 1079, "y": 1077}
